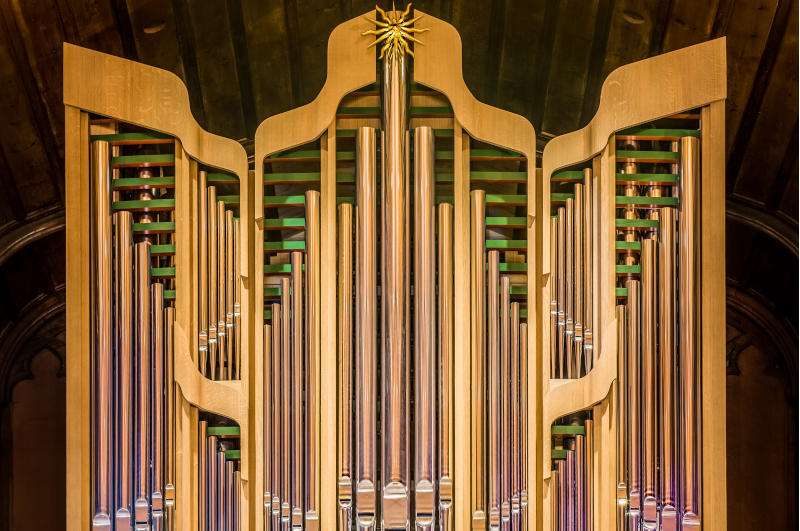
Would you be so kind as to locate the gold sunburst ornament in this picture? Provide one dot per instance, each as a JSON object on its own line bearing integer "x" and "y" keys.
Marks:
{"x": 395, "y": 31}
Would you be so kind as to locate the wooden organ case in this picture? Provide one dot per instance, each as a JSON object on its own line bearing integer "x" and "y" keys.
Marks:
{"x": 393, "y": 319}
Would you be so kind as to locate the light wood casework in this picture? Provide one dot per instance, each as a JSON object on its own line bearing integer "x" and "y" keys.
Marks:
{"x": 393, "y": 319}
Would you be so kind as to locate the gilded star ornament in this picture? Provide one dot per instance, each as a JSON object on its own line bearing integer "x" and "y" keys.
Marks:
{"x": 395, "y": 31}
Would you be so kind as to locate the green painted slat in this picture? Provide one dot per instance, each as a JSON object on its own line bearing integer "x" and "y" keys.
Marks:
{"x": 659, "y": 133}
{"x": 300, "y": 177}
{"x": 628, "y": 269}
{"x": 148, "y": 205}
{"x": 272, "y": 292}
{"x": 520, "y": 289}
{"x": 274, "y": 201}
{"x": 158, "y": 159}
{"x": 267, "y": 314}
{"x": 516, "y": 245}
{"x": 231, "y": 200}
{"x": 351, "y": 133}
{"x": 296, "y": 154}
{"x": 558, "y": 453}
{"x": 285, "y": 223}
{"x": 646, "y": 178}
{"x": 506, "y": 199}
{"x": 169, "y": 294}
{"x": 133, "y": 138}
{"x": 375, "y": 111}
{"x": 513, "y": 267}
{"x": 571, "y": 429}
{"x": 287, "y": 245}
{"x": 646, "y": 201}
{"x": 232, "y": 455}
{"x": 162, "y": 249}
{"x": 499, "y": 176}
{"x": 561, "y": 197}
{"x": 345, "y": 199}
{"x": 506, "y": 221}
{"x": 622, "y": 292}
{"x": 637, "y": 223}
{"x": 567, "y": 176}
{"x": 162, "y": 272}
{"x": 670, "y": 156}
{"x": 137, "y": 183}
{"x": 444, "y": 178}
{"x": 523, "y": 313}
{"x": 628, "y": 246}
{"x": 223, "y": 431}
{"x": 154, "y": 227}
{"x": 278, "y": 269}
{"x": 221, "y": 178}
{"x": 494, "y": 153}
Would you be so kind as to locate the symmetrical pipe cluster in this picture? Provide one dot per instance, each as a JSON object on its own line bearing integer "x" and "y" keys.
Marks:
{"x": 132, "y": 352}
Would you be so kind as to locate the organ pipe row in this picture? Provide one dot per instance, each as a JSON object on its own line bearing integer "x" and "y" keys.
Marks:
{"x": 218, "y": 478}
{"x": 572, "y": 475}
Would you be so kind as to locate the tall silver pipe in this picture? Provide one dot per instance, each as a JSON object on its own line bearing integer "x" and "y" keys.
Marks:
{"x": 493, "y": 403}
{"x": 143, "y": 361}
{"x": 103, "y": 339}
{"x": 124, "y": 367}
{"x": 667, "y": 359}
{"x": 287, "y": 457}
{"x": 366, "y": 331}
{"x": 478, "y": 361}
{"x": 298, "y": 431}
{"x": 523, "y": 413}
{"x": 424, "y": 328}
{"x": 279, "y": 451}
{"x": 505, "y": 404}
{"x": 211, "y": 372}
{"x": 312, "y": 337}
{"x": 345, "y": 362}
{"x": 395, "y": 496}
{"x": 157, "y": 409}
{"x": 267, "y": 434}
{"x": 516, "y": 436}
{"x": 446, "y": 359}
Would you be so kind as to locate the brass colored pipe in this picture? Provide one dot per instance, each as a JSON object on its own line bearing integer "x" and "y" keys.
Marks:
{"x": 688, "y": 315}
{"x": 394, "y": 366}
{"x": 424, "y": 329}
{"x": 562, "y": 293}
{"x": 222, "y": 339}
{"x": 634, "y": 324}
{"x": 268, "y": 434}
{"x": 169, "y": 410}
{"x": 229, "y": 285}
{"x": 287, "y": 458}
{"x": 494, "y": 404}
{"x": 202, "y": 477}
{"x": 297, "y": 432}
{"x": 580, "y": 482}
{"x": 523, "y": 414}
{"x": 446, "y": 358}
{"x": 569, "y": 281}
{"x": 588, "y": 270}
{"x": 211, "y": 371}
{"x": 563, "y": 482}
{"x": 478, "y": 380}
{"x": 581, "y": 365}
{"x": 555, "y": 497}
{"x": 505, "y": 404}
{"x": 212, "y": 489}
{"x": 221, "y": 483}
{"x": 279, "y": 450}
{"x": 553, "y": 284}
{"x": 666, "y": 345}
{"x": 204, "y": 193}
{"x": 143, "y": 393}
{"x": 649, "y": 383}
{"x": 345, "y": 362}
{"x": 366, "y": 474}
{"x": 623, "y": 437}
{"x": 237, "y": 297}
{"x": 514, "y": 465}
{"x": 312, "y": 337}
{"x": 588, "y": 519}
{"x": 569, "y": 476}
{"x": 229, "y": 487}
{"x": 125, "y": 338}
{"x": 103, "y": 338}
{"x": 157, "y": 411}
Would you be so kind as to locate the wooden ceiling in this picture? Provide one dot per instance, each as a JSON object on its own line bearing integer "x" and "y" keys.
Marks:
{"x": 244, "y": 60}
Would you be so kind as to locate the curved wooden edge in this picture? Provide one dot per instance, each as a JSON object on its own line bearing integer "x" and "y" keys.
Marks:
{"x": 569, "y": 396}
{"x": 351, "y": 65}
{"x": 438, "y": 65}
{"x": 644, "y": 91}
{"x": 146, "y": 96}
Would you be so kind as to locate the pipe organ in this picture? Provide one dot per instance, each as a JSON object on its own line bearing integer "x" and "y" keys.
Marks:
{"x": 399, "y": 316}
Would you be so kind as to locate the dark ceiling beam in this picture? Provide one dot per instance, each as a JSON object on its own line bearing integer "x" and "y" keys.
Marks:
{"x": 756, "y": 98}
{"x": 25, "y": 234}
{"x": 722, "y": 18}
{"x": 10, "y": 187}
{"x": 497, "y": 31}
{"x": 34, "y": 96}
{"x": 786, "y": 171}
{"x": 660, "y": 25}
{"x": 242, "y": 60}
{"x": 187, "y": 48}
{"x": 762, "y": 221}
{"x": 295, "y": 57}
{"x": 122, "y": 18}
{"x": 541, "y": 74}
{"x": 602, "y": 27}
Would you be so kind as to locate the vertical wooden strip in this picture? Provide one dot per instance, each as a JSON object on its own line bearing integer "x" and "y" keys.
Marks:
{"x": 712, "y": 320}
{"x": 462, "y": 327}
{"x": 78, "y": 322}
